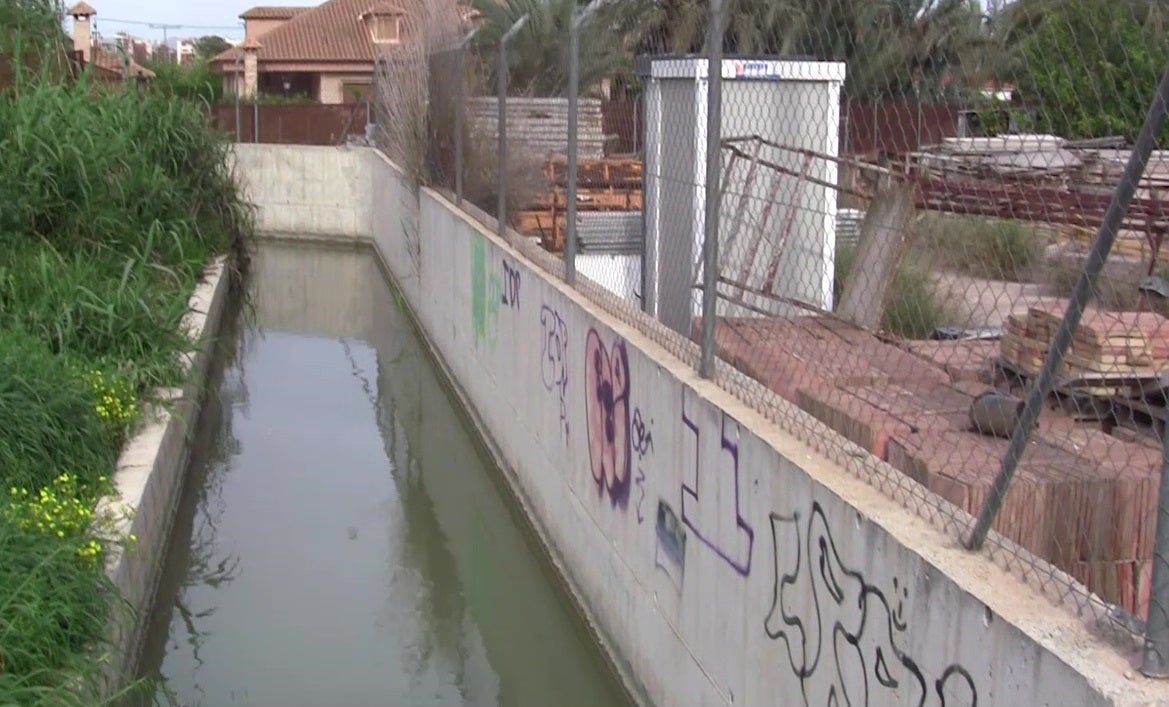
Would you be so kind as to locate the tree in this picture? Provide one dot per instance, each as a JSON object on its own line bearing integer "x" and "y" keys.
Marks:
{"x": 210, "y": 46}
{"x": 538, "y": 56}
{"x": 894, "y": 48}
{"x": 1085, "y": 68}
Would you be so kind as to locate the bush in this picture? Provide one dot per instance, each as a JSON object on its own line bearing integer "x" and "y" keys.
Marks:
{"x": 993, "y": 249}
{"x": 912, "y": 309}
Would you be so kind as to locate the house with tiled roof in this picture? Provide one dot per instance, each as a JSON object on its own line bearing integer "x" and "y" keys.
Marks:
{"x": 325, "y": 53}
{"x": 107, "y": 66}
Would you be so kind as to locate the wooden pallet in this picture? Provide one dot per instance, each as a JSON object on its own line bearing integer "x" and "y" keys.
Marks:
{"x": 591, "y": 200}
{"x": 608, "y": 173}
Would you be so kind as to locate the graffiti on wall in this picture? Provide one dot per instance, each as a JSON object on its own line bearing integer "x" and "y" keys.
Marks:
{"x": 554, "y": 360}
{"x": 846, "y": 652}
{"x": 670, "y": 548}
{"x": 510, "y": 294}
{"x": 642, "y": 441}
{"x": 710, "y": 491}
{"x": 490, "y": 289}
{"x": 608, "y": 417}
{"x": 485, "y": 295}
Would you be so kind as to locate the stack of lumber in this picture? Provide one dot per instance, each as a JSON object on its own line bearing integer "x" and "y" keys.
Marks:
{"x": 1119, "y": 344}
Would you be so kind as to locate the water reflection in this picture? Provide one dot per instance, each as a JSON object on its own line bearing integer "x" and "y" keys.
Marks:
{"x": 341, "y": 541}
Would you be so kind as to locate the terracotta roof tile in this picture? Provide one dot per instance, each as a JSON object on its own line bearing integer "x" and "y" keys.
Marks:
{"x": 81, "y": 9}
{"x": 384, "y": 9}
{"x": 332, "y": 31}
{"x": 109, "y": 61}
{"x": 271, "y": 12}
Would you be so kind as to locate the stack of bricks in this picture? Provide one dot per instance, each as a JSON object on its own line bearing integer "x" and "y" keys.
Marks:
{"x": 1082, "y": 499}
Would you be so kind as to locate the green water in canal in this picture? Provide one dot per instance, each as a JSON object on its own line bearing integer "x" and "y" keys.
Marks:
{"x": 341, "y": 539}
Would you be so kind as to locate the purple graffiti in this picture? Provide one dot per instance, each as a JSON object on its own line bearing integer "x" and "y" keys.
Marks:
{"x": 607, "y": 417}
{"x": 712, "y": 510}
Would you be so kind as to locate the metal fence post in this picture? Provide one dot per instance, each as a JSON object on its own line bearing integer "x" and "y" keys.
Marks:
{"x": 714, "y": 53}
{"x": 1156, "y": 639}
{"x": 570, "y": 235}
{"x": 1155, "y": 663}
{"x": 460, "y": 106}
{"x": 256, "y": 117}
{"x": 501, "y": 156}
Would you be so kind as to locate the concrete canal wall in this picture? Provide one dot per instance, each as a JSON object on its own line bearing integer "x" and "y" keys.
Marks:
{"x": 721, "y": 561}
{"x": 149, "y": 479}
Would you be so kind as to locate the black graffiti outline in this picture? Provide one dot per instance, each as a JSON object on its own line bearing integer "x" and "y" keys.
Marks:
{"x": 640, "y": 483}
{"x": 643, "y": 438}
{"x": 893, "y": 625}
{"x": 554, "y": 360}
{"x": 510, "y": 285}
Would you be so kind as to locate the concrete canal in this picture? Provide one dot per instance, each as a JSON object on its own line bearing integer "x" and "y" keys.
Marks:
{"x": 343, "y": 539}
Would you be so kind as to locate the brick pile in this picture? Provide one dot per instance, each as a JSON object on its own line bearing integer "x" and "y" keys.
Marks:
{"x": 1082, "y": 499}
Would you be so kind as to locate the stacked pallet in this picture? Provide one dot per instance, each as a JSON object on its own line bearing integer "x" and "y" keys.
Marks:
{"x": 1118, "y": 344}
{"x": 603, "y": 186}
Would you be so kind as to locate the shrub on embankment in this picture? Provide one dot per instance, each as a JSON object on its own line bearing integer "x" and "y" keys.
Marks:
{"x": 111, "y": 205}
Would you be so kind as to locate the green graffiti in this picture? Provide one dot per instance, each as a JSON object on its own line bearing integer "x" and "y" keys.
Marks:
{"x": 485, "y": 294}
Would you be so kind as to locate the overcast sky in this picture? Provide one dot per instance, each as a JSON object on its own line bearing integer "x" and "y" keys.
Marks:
{"x": 197, "y": 17}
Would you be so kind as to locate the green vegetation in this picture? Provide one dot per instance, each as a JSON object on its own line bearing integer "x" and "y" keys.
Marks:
{"x": 194, "y": 82}
{"x": 1085, "y": 68}
{"x": 113, "y": 202}
{"x": 992, "y": 249}
{"x": 912, "y": 307}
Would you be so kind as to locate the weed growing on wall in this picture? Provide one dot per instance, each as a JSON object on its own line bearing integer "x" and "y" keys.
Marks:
{"x": 113, "y": 202}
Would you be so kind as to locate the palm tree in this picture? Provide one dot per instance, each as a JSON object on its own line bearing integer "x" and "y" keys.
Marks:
{"x": 893, "y": 47}
{"x": 537, "y": 57}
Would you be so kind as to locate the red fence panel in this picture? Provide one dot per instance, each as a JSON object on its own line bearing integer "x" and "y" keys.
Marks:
{"x": 293, "y": 124}
{"x": 894, "y": 127}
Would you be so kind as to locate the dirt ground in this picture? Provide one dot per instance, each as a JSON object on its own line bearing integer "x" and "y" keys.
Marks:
{"x": 977, "y": 302}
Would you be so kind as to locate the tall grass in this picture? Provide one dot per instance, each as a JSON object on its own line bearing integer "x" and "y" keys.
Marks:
{"x": 111, "y": 204}
{"x": 912, "y": 308}
{"x": 993, "y": 249}
{"x": 48, "y": 423}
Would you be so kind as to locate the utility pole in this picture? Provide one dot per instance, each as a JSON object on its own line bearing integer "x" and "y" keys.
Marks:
{"x": 164, "y": 28}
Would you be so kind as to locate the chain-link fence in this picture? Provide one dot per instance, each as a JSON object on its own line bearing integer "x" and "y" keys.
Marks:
{"x": 925, "y": 238}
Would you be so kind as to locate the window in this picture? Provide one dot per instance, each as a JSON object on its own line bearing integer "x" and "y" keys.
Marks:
{"x": 387, "y": 29}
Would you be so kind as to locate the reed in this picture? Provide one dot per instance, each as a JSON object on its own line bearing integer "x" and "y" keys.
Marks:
{"x": 112, "y": 201}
